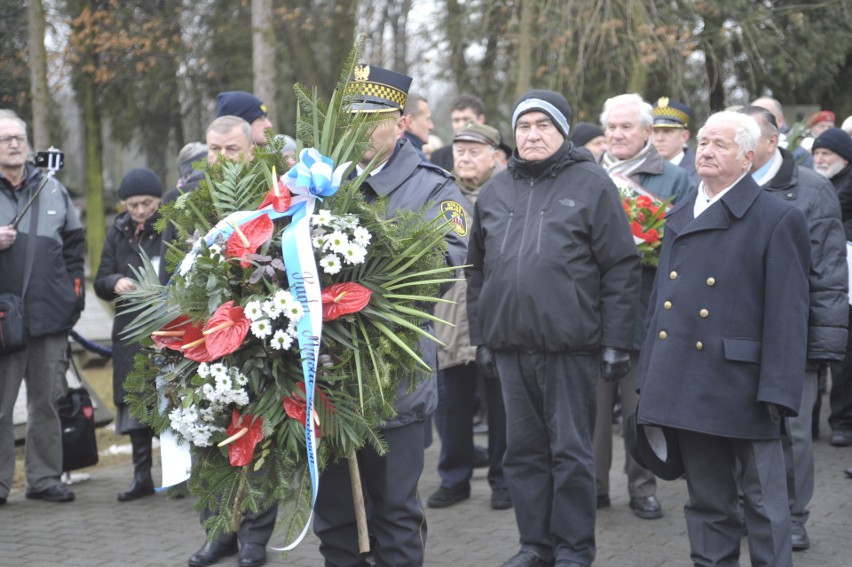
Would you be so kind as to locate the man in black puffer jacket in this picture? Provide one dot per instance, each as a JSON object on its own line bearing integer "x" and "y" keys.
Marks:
{"x": 552, "y": 290}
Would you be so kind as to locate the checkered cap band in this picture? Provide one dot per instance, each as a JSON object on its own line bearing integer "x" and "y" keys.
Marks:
{"x": 670, "y": 115}
{"x": 378, "y": 93}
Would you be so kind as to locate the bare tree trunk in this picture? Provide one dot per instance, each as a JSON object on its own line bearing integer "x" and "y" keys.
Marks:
{"x": 38, "y": 75}
{"x": 263, "y": 55}
{"x": 397, "y": 16}
{"x": 525, "y": 41}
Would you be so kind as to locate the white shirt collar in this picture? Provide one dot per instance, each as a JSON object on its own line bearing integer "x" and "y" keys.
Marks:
{"x": 703, "y": 201}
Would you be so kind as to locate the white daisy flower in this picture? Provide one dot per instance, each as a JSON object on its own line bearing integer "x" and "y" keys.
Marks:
{"x": 283, "y": 298}
{"x": 321, "y": 218}
{"x": 218, "y": 369}
{"x": 261, "y": 328}
{"x": 336, "y": 242}
{"x": 204, "y": 370}
{"x": 295, "y": 312}
{"x": 362, "y": 236}
{"x": 281, "y": 340}
{"x": 319, "y": 241}
{"x": 253, "y": 310}
{"x": 223, "y": 382}
{"x": 354, "y": 254}
{"x": 241, "y": 379}
{"x": 330, "y": 264}
{"x": 272, "y": 308}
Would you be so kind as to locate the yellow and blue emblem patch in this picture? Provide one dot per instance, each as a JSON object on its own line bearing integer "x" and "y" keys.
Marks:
{"x": 456, "y": 214}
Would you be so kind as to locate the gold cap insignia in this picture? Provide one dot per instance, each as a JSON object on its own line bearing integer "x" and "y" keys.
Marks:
{"x": 362, "y": 72}
{"x": 663, "y": 101}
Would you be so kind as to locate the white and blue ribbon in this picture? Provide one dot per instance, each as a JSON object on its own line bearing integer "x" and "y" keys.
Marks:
{"x": 309, "y": 181}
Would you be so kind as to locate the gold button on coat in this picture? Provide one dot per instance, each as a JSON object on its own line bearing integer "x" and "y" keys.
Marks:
{"x": 711, "y": 281}
{"x": 704, "y": 313}
{"x": 699, "y": 345}
{"x": 663, "y": 334}
{"x": 673, "y": 275}
{"x": 667, "y": 305}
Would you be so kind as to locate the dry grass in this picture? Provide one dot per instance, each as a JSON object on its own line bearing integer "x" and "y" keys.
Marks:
{"x": 100, "y": 379}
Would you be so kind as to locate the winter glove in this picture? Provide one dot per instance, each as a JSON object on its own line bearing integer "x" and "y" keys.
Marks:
{"x": 486, "y": 362}
{"x": 615, "y": 364}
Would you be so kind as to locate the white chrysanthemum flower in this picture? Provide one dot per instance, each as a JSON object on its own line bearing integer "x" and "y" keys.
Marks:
{"x": 321, "y": 218}
{"x": 319, "y": 241}
{"x": 272, "y": 309}
{"x": 281, "y": 340}
{"x": 218, "y": 369}
{"x": 204, "y": 370}
{"x": 336, "y": 242}
{"x": 354, "y": 254}
{"x": 253, "y": 310}
{"x": 261, "y": 328}
{"x": 295, "y": 312}
{"x": 283, "y": 298}
{"x": 223, "y": 382}
{"x": 241, "y": 379}
{"x": 330, "y": 264}
{"x": 362, "y": 236}
{"x": 209, "y": 392}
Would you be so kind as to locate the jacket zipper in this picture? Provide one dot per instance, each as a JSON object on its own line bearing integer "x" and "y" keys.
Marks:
{"x": 508, "y": 227}
{"x": 540, "y": 224}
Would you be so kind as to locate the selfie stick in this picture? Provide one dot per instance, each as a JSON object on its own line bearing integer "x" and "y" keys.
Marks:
{"x": 54, "y": 164}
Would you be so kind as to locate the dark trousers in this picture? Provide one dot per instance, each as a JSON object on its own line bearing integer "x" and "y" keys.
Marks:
{"x": 454, "y": 420}
{"x": 715, "y": 467}
{"x": 395, "y": 516}
{"x": 841, "y": 390}
{"x": 254, "y": 527}
{"x": 549, "y": 465}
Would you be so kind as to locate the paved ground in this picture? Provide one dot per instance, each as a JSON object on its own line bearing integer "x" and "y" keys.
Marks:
{"x": 96, "y": 530}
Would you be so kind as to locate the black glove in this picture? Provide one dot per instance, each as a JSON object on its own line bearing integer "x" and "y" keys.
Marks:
{"x": 615, "y": 364}
{"x": 777, "y": 412}
{"x": 486, "y": 362}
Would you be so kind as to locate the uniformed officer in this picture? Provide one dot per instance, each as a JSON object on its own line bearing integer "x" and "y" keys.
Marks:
{"x": 671, "y": 134}
{"x": 394, "y": 510}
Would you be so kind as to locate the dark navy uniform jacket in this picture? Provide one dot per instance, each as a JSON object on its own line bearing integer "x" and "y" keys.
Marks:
{"x": 410, "y": 183}
{"x": 728, "y": 320}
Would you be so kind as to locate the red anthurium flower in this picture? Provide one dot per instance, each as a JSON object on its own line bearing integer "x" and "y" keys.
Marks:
{"x": 194, "y": 347}
{"x": 296, "y": 406}
{"x": 248, "y": 237}
{"x": 226, "y": 330}
{"x": 244, "y": 433}
{"x": 278, "y": 197}
{"x": 171, "y": 336}
{"x": 344, "y": 298}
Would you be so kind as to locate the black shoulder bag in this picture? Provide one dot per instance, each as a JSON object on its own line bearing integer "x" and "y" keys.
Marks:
{"x": 13, "y": 327}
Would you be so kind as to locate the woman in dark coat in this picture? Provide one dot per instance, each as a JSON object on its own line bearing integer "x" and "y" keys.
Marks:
{"x": 132, "y": 232}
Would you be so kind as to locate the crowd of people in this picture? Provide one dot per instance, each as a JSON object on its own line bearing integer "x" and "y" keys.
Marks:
{"x": 560, "y": 329}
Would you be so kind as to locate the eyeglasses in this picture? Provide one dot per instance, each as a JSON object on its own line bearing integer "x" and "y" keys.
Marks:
{"x": 7, "y": 140}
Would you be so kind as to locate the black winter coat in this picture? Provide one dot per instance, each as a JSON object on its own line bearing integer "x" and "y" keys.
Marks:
{"x": 553, "y": 266}
{"x": 122, "y": 250}
{"x": 828, "y": 280}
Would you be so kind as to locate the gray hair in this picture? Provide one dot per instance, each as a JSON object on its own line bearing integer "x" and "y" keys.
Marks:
{"x": 746, "y": 130}
{"x": 646, "y": 111}
{"x": 12, "y": 115}
{"x": 189, "y": 154}
{"x": 225, "y": 124}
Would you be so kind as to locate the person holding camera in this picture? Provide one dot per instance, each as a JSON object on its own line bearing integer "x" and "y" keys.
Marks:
{"x": 52, "y": 291}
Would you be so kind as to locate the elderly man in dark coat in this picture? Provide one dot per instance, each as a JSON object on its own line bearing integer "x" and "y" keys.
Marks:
{"x": 724, "y": 356}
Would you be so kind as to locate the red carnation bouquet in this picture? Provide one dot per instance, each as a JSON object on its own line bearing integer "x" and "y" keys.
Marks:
{"x": 646, "y": 214}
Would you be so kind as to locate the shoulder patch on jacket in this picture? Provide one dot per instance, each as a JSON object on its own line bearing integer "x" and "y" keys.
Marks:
{"x": 456, "y": 214}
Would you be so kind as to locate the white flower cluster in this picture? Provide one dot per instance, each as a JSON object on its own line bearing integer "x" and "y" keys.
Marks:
{"x": 196, "y": 422}
{"x": 263, "y": 314}
{"x": 338, "y": 239}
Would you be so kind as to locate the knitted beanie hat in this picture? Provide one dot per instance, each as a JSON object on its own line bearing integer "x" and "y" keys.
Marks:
{"x": 140, "y": 181}
{"x": 837, "y": 141}
{"x": 240, "y": 103}
{"x": 550, "y": 103}
{"x": 585, "y": 132}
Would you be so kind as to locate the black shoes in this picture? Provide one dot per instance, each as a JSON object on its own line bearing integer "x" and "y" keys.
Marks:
{"x": 56, "y": 493}
{"x": 2, "y": 500}
{"x": 603, "y": 501}
{"x": 213, "y": 551}
{"x": 142, "y": 486}
{"x": 501, "y": 499}
{"x": 444, "y": 497}
{"x": 841, "y": 438}
{"x": 252, "y": 555}
{"x": 480, "y": 457}
{"x": 647, "y": 508}
{"x": 800, "y": 538}
{"x": 526, "y": 559}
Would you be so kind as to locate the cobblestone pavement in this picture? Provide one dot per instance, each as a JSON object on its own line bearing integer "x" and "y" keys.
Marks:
{"x": 96, "y": 530}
